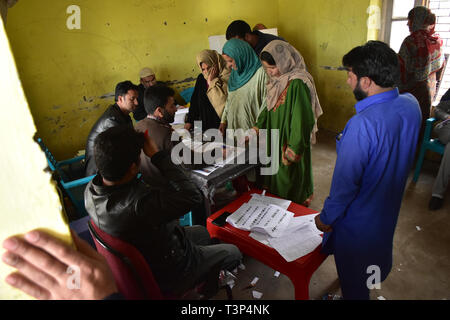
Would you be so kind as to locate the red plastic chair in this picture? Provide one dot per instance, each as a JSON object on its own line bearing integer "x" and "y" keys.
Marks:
{"x": 132, "y": 274}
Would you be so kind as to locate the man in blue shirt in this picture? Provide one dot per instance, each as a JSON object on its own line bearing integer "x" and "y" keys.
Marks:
{"x": 374, "y": 156}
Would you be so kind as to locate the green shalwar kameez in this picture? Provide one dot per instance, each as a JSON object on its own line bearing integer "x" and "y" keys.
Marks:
{"x": 295, "y": 120}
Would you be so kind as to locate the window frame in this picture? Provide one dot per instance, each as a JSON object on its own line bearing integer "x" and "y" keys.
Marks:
{"x": 387, "y": 19}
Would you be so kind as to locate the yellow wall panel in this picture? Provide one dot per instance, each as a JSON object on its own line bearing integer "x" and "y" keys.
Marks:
{"x": 323, "y": 31}
{"x": 69, "y": 75}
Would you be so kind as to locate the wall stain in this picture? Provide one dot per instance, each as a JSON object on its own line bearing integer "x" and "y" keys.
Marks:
{"x": 324, "y": 46}
{"x": 108, "y": 95}
{"x": 180, "y": 81}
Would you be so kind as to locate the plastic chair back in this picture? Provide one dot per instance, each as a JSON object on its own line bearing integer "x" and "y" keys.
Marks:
{"x": 131, "y": 271}
{"x": 186, "y": 220}
{"x": 71, "y": 176}
{"x": 186, "y": 94}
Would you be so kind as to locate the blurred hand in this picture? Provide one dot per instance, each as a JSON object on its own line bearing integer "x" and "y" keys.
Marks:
{"x": 322, "y": 227}
{"x": 213, "y": 73}
{"x": 188, "y": 126}
{"x": 42, "y": 262}
{"x": 222, "y": 128}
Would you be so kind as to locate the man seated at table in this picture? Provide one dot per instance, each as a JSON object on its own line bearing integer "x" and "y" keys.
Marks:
{"x": 126, "y": 207}
{"x": 147, "y": 78}
{"x": 160, "y": 108}
{"x": 126, "y": 95}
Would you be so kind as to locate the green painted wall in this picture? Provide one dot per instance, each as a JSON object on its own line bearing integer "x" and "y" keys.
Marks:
{"x": 70, "y": 75}
{"x": 323, "y": 31}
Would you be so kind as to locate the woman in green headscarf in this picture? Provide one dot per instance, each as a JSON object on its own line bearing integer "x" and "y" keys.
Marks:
{"x": 246, "y": 86}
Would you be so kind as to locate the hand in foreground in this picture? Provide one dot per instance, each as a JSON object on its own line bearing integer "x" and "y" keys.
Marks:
{"x": 322, "y": 227}
{"x": 188, "y": 126}
{"x": 47, "y": 268}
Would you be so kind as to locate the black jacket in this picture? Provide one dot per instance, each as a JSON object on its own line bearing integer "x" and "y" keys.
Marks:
{"x": 110, "y": 118}
{"x": 148, "y": 218}
{"x": 201, "y": 108}
{"x": 139, "y": 113}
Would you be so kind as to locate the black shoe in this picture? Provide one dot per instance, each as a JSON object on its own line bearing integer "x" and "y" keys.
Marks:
{"x": 435, "y": 203}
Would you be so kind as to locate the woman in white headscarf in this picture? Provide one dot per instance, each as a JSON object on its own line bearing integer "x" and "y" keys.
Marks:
{"x": 293, "y": 108}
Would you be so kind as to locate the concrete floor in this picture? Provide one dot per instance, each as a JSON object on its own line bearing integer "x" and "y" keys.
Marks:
{"x": 421, "y": 265}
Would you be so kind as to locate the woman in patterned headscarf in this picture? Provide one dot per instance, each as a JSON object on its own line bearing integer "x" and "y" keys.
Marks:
{"x": 420, "y": 59}
{"x": 293, "y": 108}
{"x": 246, "y": 86}
{"x": 210, "y": 92}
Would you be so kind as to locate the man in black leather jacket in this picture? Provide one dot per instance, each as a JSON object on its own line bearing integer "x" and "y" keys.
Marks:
{"x": 126, "y": 95}
{"x": 126, "y": 207}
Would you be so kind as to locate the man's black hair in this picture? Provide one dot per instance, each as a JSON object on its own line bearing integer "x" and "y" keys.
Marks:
{"x": 116, "y": 149}
{"x": 123, "y": 87}
{"x": 375, "y": 60}
{"x": 267, "y": 57}
{"x": 237, "y": 28}
{"x": 156, "y": 96}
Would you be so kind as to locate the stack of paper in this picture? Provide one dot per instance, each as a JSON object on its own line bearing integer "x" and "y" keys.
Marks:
{"x": 267, "y": 219}
{"x": 270, "y": 224}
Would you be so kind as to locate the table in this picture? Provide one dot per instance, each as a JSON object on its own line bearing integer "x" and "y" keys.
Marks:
{"x": 298, "y": 271}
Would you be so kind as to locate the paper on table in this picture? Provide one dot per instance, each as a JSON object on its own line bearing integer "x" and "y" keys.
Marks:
{"x": 260, "y": 237}
{"x": 294, "y": 224}
{"x": 271, "y": 220}
{"x": 296, "y": 244}
{"x": 283, "y": 203}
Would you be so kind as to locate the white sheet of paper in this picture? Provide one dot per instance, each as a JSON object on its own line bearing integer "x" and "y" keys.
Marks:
{"x": 296, "y": 244}
{"x": 295, "y": 224}
{"x": 271, "y": 220}
{"x": 257, "y": 294}
{"x": 260, "y": 237}
{"x": 180, "y": 115}
{"x": 283, "y": 203}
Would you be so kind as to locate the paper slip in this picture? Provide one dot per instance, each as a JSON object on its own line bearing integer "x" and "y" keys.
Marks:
{"x": 180, "y": 115}
{"x": 260, "y": 237}
{"x": 295, "y": 224}
{"x": 297, "y": 244}
{"x": 283, "y": 203}
{"x": 206, "y": 171}
{"x": 271, "y": 220}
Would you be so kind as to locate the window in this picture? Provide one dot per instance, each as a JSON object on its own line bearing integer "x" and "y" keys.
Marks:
{"x": 395, "y": 29}
{"x": 396, "y": 13}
